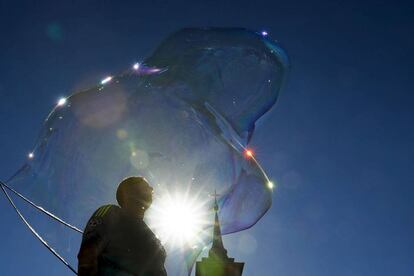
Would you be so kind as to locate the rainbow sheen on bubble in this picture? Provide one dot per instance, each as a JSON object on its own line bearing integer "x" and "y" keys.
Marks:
{"x": 182, "y": 119}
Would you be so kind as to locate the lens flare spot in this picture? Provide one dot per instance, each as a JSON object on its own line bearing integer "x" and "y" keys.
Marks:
{"x": 61, "y": 102}
{"x": 106, "y": 80}
{"x": 248, "y": 153}
{"x": 135, "y": 66}
{"x": 139, "y": 159}
{"x": 122, "y": 134}
{"x": 270, "y": 184}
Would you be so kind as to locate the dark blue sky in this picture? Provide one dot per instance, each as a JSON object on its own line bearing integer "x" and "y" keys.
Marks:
{"x": 340, "y": 141}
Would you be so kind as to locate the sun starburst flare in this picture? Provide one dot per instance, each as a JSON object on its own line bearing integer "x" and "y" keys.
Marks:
{"x": 180, "y": 220}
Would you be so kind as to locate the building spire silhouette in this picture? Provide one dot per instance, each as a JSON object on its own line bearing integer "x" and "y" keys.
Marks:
{"x": 218, "y": 263}
{"x": 217, "y": 249}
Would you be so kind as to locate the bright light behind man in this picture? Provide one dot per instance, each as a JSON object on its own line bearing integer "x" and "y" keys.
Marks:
{"x": 179, "y": 219}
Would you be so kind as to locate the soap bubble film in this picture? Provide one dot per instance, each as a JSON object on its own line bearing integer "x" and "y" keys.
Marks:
{"x": 182, "y": 118}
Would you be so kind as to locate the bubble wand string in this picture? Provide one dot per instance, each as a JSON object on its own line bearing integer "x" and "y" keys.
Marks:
{"x": 53, "y": 251}
{"x": 41, "y": 209}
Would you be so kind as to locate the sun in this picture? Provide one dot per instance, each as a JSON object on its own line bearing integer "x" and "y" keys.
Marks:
{"x": 179, "y": 219}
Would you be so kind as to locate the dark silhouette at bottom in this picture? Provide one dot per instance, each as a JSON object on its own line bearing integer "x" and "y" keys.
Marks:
{"x": 218, "y": 263}
{"x": 116, "y": 240}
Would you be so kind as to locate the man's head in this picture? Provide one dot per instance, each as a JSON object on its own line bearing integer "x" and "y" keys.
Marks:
{"x": 135, "y": 194}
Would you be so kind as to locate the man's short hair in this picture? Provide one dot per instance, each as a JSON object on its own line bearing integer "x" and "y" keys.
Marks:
{"x": 134, "y": 187}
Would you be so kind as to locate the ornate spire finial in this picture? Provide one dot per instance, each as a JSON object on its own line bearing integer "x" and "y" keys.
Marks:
{"x": 215, "y": 201}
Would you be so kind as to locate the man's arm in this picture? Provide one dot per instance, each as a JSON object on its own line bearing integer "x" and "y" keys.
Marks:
{"x": 93, "y": 243}
{"x": 88, "y": 256}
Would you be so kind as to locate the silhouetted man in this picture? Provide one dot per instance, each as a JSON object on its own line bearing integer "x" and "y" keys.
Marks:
{"x": 116, "y": 241}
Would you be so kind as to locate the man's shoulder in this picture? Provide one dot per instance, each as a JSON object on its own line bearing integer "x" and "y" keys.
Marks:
{"x": 106, "y": 210}
{"x": 101, "y": 219}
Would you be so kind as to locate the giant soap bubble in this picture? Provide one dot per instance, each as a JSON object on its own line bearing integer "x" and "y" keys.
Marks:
{"x": 182, "y": 119}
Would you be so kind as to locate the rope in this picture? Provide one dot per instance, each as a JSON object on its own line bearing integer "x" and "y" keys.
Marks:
{"x": 41, "y": 209}
{"x": 53, "y": 251}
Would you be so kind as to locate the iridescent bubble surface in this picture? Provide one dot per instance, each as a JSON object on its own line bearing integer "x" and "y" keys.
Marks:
{"x": 182, "y": 119}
